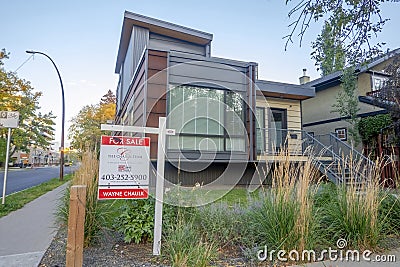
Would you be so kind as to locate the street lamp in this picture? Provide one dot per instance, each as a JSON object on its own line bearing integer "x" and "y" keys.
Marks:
{"x": 63, "y": 113}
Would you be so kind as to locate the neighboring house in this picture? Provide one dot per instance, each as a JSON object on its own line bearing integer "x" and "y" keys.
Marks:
{"x": 318, "y": 118}
{"x": 213, "y": 103}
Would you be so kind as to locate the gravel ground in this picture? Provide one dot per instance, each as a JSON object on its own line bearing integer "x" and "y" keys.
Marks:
{"x": 112, "y": 251}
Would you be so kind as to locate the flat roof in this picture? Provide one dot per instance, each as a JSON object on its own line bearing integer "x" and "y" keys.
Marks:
{"x": 285, "y": 90}
{"x": 159, "y": 27}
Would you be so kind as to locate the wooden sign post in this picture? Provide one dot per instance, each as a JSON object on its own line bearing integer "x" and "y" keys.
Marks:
{"x": 76, "y": 225}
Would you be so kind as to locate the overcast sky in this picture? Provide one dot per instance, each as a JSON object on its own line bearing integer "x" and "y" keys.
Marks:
{"x": 82, "y": 38}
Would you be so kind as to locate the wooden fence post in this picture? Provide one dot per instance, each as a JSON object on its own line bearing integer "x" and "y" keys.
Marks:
{"x": 76, "y": 223}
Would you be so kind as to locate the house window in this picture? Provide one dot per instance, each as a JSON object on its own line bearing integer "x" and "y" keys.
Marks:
{"x": 341, "y": 133}
{"x": 260, "y": 129}
{"x": 377, "y": 82}
{"x": 206, "y": 119}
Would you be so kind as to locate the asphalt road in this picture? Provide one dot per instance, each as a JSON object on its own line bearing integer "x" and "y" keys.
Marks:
{"x": 20, "y": 179}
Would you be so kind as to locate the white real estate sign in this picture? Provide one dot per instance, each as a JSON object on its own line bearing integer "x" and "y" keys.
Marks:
{"x": 9, "y": 119}
{"x": 124, "y": 167}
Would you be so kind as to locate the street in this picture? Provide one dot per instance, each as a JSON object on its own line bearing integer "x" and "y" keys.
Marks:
{"x": 20, "y": 179}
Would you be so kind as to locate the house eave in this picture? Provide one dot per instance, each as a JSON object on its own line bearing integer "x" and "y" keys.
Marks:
{"x": 159, "y": 27}
{"x": 285, "y": 90}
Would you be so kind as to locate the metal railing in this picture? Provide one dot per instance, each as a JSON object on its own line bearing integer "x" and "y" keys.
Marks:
{"x": 334, "y": 158}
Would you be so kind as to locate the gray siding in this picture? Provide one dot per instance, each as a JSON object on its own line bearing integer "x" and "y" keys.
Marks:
{"x": 137, "y": 44}
{"x": 158, "y": 41}
{"x": 185, "y": 70}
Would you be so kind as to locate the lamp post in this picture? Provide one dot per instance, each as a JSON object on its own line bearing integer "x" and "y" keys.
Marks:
{"x": 63, "y": 113}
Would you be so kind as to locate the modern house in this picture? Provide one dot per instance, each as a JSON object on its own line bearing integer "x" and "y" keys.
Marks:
{"x": 318, "y": 118}
{"x": 221, "y": 111}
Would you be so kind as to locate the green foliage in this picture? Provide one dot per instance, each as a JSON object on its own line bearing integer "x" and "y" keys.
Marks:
{"x": 370, "y": 127}
{"x": 328, "y": 53}
{"x": 389, "y": 96}
{"x": 273, "y": 220}
{"x": 85, "y": 132}
{"x": 389, "y": 213}
{"x": 18, "y": 95}
{"x": 347, "y": 103}
{"x": 219, "y": 223}
{"x": 353, "y": 23}
{"x": 136, "y": 220}
{"x": 346, "y": 213}
{"x": 185, "y": 246}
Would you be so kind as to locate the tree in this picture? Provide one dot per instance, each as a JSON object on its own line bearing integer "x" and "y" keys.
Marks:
{"x": 329, "y": 54}
{"x": 347, "y": 103}
{"x": 389, "y": 96}
{"x": 18, "y": 95}
{"x": 354, "y": 23}
{"x": 85, "y": 129}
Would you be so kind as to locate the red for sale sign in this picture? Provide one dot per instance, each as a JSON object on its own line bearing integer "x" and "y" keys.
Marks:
{"x": 124, "y": 167}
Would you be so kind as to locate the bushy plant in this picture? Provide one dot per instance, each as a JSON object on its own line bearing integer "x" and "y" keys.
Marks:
{"x": 352, "y": 215}
{"x": 96, "y": 214}
{"x": 185, "y": 246}
{"x": 389, "y": 213}
{"x": 136, "y": 220}
{"x": 219, "y": 223}
{"x": 282, "y": 217}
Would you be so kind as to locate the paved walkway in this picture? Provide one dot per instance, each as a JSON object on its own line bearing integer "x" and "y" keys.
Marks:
{"x": 26, "y": 234}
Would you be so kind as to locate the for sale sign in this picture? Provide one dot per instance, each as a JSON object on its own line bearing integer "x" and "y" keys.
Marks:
{"x": 124, "y": 167}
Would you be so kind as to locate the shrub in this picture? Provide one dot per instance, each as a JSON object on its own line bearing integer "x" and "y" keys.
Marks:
{"x": 185, "y": 247}
{"x": 136, "y": 220}
{"x": 97, "y": 214}
{"x": 283, "y": 218}
{"x": 389, "y": 214}
{"x": 219, "y": 223}
{"x": 352, "y": 214}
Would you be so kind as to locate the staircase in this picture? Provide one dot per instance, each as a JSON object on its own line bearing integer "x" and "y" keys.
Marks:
{"x": 338, "y": 161}
{"x": 341, "y": 163}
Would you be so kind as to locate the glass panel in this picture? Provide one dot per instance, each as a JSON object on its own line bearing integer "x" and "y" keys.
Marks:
{"x": 234, "y": 114}
{"x": 173, "y": 142}
{"x": 188, "y": 142}
{"x": 278, "y": 139}
{"x": 189, "y": 110}
{"x": 260, "y": 129}
{"x": 201, "y": 125}
{"x": 210, "y": 144}
{"x": 235, "y": 144}
{"x": 202, "y": 111}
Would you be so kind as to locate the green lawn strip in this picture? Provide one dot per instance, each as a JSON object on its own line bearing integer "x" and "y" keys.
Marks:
{"x": 19, "y": 199}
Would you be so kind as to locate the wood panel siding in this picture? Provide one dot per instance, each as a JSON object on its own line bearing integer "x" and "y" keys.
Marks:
{"x": 293, "y": 113}
{"x": 292, "y": 108}
{"x": 156, "y": 101}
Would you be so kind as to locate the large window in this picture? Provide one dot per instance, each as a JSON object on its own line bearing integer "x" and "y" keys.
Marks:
{"x": 206, "y": 119}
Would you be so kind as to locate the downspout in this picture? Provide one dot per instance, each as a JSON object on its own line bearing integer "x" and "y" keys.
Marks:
{"x": 251, "y": 115}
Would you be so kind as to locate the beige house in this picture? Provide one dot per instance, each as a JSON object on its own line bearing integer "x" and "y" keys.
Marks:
{"x": 318, "y": 117}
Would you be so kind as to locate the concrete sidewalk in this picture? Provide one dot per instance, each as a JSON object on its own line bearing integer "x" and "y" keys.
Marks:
{"x": 26, "y": 234}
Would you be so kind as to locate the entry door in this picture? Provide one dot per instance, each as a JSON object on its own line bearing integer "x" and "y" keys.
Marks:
{"x": 279, "y": 125}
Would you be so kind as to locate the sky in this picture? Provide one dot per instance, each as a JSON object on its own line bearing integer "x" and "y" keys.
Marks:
{"x": 82, "y": 38}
